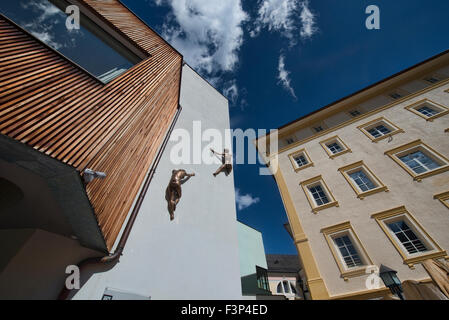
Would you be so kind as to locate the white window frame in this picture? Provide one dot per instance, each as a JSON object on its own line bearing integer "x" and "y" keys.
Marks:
{"x": 314, "y": 182}
{"x": 292, "y": 156}
{"x": 401, "y": 213}
{"x": 360, "y": 165}
{"x": 414, "y": 146}
{"x": 443, "y": 110}
{"x": 335, "y": 139}
{"x": 376, "y": 122}
{"x": 346, "y": 229}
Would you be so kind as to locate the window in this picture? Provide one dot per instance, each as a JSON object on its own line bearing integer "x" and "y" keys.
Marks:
{"x": 45, "y": 20}
{"x": 409, "y": 238}
{"x": 292, "y": 287}
{"x": 395, "y": 95}
{"x": 319, "y": 127}
{"x": 379, "y": 129}
{"x": 433, "y": 78}
{"x": 355, "y": 113}
{"x": 428, "y": 110}
{"x": 419, "y": 160}
{"x": 349, "y": 253}
{"x": 279, "y": 288}
{"x": 318, "y": 194}
{"x": 443, "y": 197}
{"x": 286, "y": 287}
{"x": 334, "y": 147}
{"x": 362, "y": 180}
{"x": 300, "y": 160}
{"x": 262, "y": 278}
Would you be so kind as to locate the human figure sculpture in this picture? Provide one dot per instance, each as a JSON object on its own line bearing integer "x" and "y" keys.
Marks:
{"x": 226, "y": 160}
{"x": 173, "y": 192}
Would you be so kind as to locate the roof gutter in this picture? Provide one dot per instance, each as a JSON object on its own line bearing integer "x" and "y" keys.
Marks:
{"x": 126, "y": 232}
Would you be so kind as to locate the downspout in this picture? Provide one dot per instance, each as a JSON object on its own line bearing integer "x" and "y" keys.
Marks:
{"x": 126, "y": 232}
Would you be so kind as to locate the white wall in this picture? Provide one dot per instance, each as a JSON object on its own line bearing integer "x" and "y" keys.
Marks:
{"x": 196, "y": 255}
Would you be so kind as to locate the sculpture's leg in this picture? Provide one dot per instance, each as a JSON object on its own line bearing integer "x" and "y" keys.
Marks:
{"x": 178, "y": 192}
{"x": 219, "y": 170}
{"x": 172, "y": 203}
{"x": 171, "y": 209}
{"x": 228, "y": 169}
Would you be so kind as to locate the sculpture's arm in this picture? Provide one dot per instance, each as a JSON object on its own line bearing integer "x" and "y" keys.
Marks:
{"x": 187, "y": 177}
{"x": 217, "y": 153}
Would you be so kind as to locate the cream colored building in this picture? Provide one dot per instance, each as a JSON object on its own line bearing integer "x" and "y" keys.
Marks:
{"x": 365, "y": 181}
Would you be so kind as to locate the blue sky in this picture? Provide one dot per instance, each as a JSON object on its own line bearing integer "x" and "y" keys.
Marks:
{"x": 327, "y": 53}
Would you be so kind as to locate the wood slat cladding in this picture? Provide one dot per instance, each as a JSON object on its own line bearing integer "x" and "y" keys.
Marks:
{"x": 52, "y": 105}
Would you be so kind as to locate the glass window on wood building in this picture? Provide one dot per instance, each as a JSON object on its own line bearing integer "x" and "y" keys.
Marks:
{"x": 90, "y": 46}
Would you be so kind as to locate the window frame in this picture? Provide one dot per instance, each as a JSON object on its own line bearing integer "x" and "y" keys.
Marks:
{"x": 321, "y": 124}
{"x": 381, "y": 120}
{"x": 318, "y": 180}
{"x": 398, "y": 91}
{"x": 262, "y": 275}
{"x": 413, "y": 108}
{"x": 346, "y": 170}
{"x": 419, "y": 145}
{"x": 115, "y": 36}
{"x": 304, "y": 153}
{"x": 337, "y": 139}
{"x": 348, "y": 112}
{"x": 443, "y": 197}
{"x": 291, "y": 286}
{"x": 435, "y": 75}
{"x": 341, "y": 229}
{"x": 434, "y": 252}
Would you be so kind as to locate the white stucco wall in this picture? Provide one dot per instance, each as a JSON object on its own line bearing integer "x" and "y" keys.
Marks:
{"x": 196, "y": 255}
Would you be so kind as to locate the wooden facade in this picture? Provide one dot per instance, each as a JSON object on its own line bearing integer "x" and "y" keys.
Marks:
{"x": 52, "y": 105}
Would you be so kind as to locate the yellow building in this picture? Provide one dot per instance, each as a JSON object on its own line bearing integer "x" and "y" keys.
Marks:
{"x": 365, "y": 182}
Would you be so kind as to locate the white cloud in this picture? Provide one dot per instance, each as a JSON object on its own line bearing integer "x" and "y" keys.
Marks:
{"x": 45, "y": 8}
{"x": 47, "y": 38}
{"x": 231, "y": 91}
{"x": 281, "y": 16}
{"x": 308, "y": 24}
{"x": 42, "y": 26}
{"x": 244, "y": 200}
{"x": 284, "y": 76}
{"x": 208, "y": 33}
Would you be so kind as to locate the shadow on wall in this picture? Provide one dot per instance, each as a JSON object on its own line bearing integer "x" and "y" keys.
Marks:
{"x": 250, "y": 287}
{"x": 87, "y": 272}
{"x": 34, "y": 265}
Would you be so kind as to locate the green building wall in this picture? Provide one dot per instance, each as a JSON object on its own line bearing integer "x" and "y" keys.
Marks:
{"x": 252, "y": 254}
